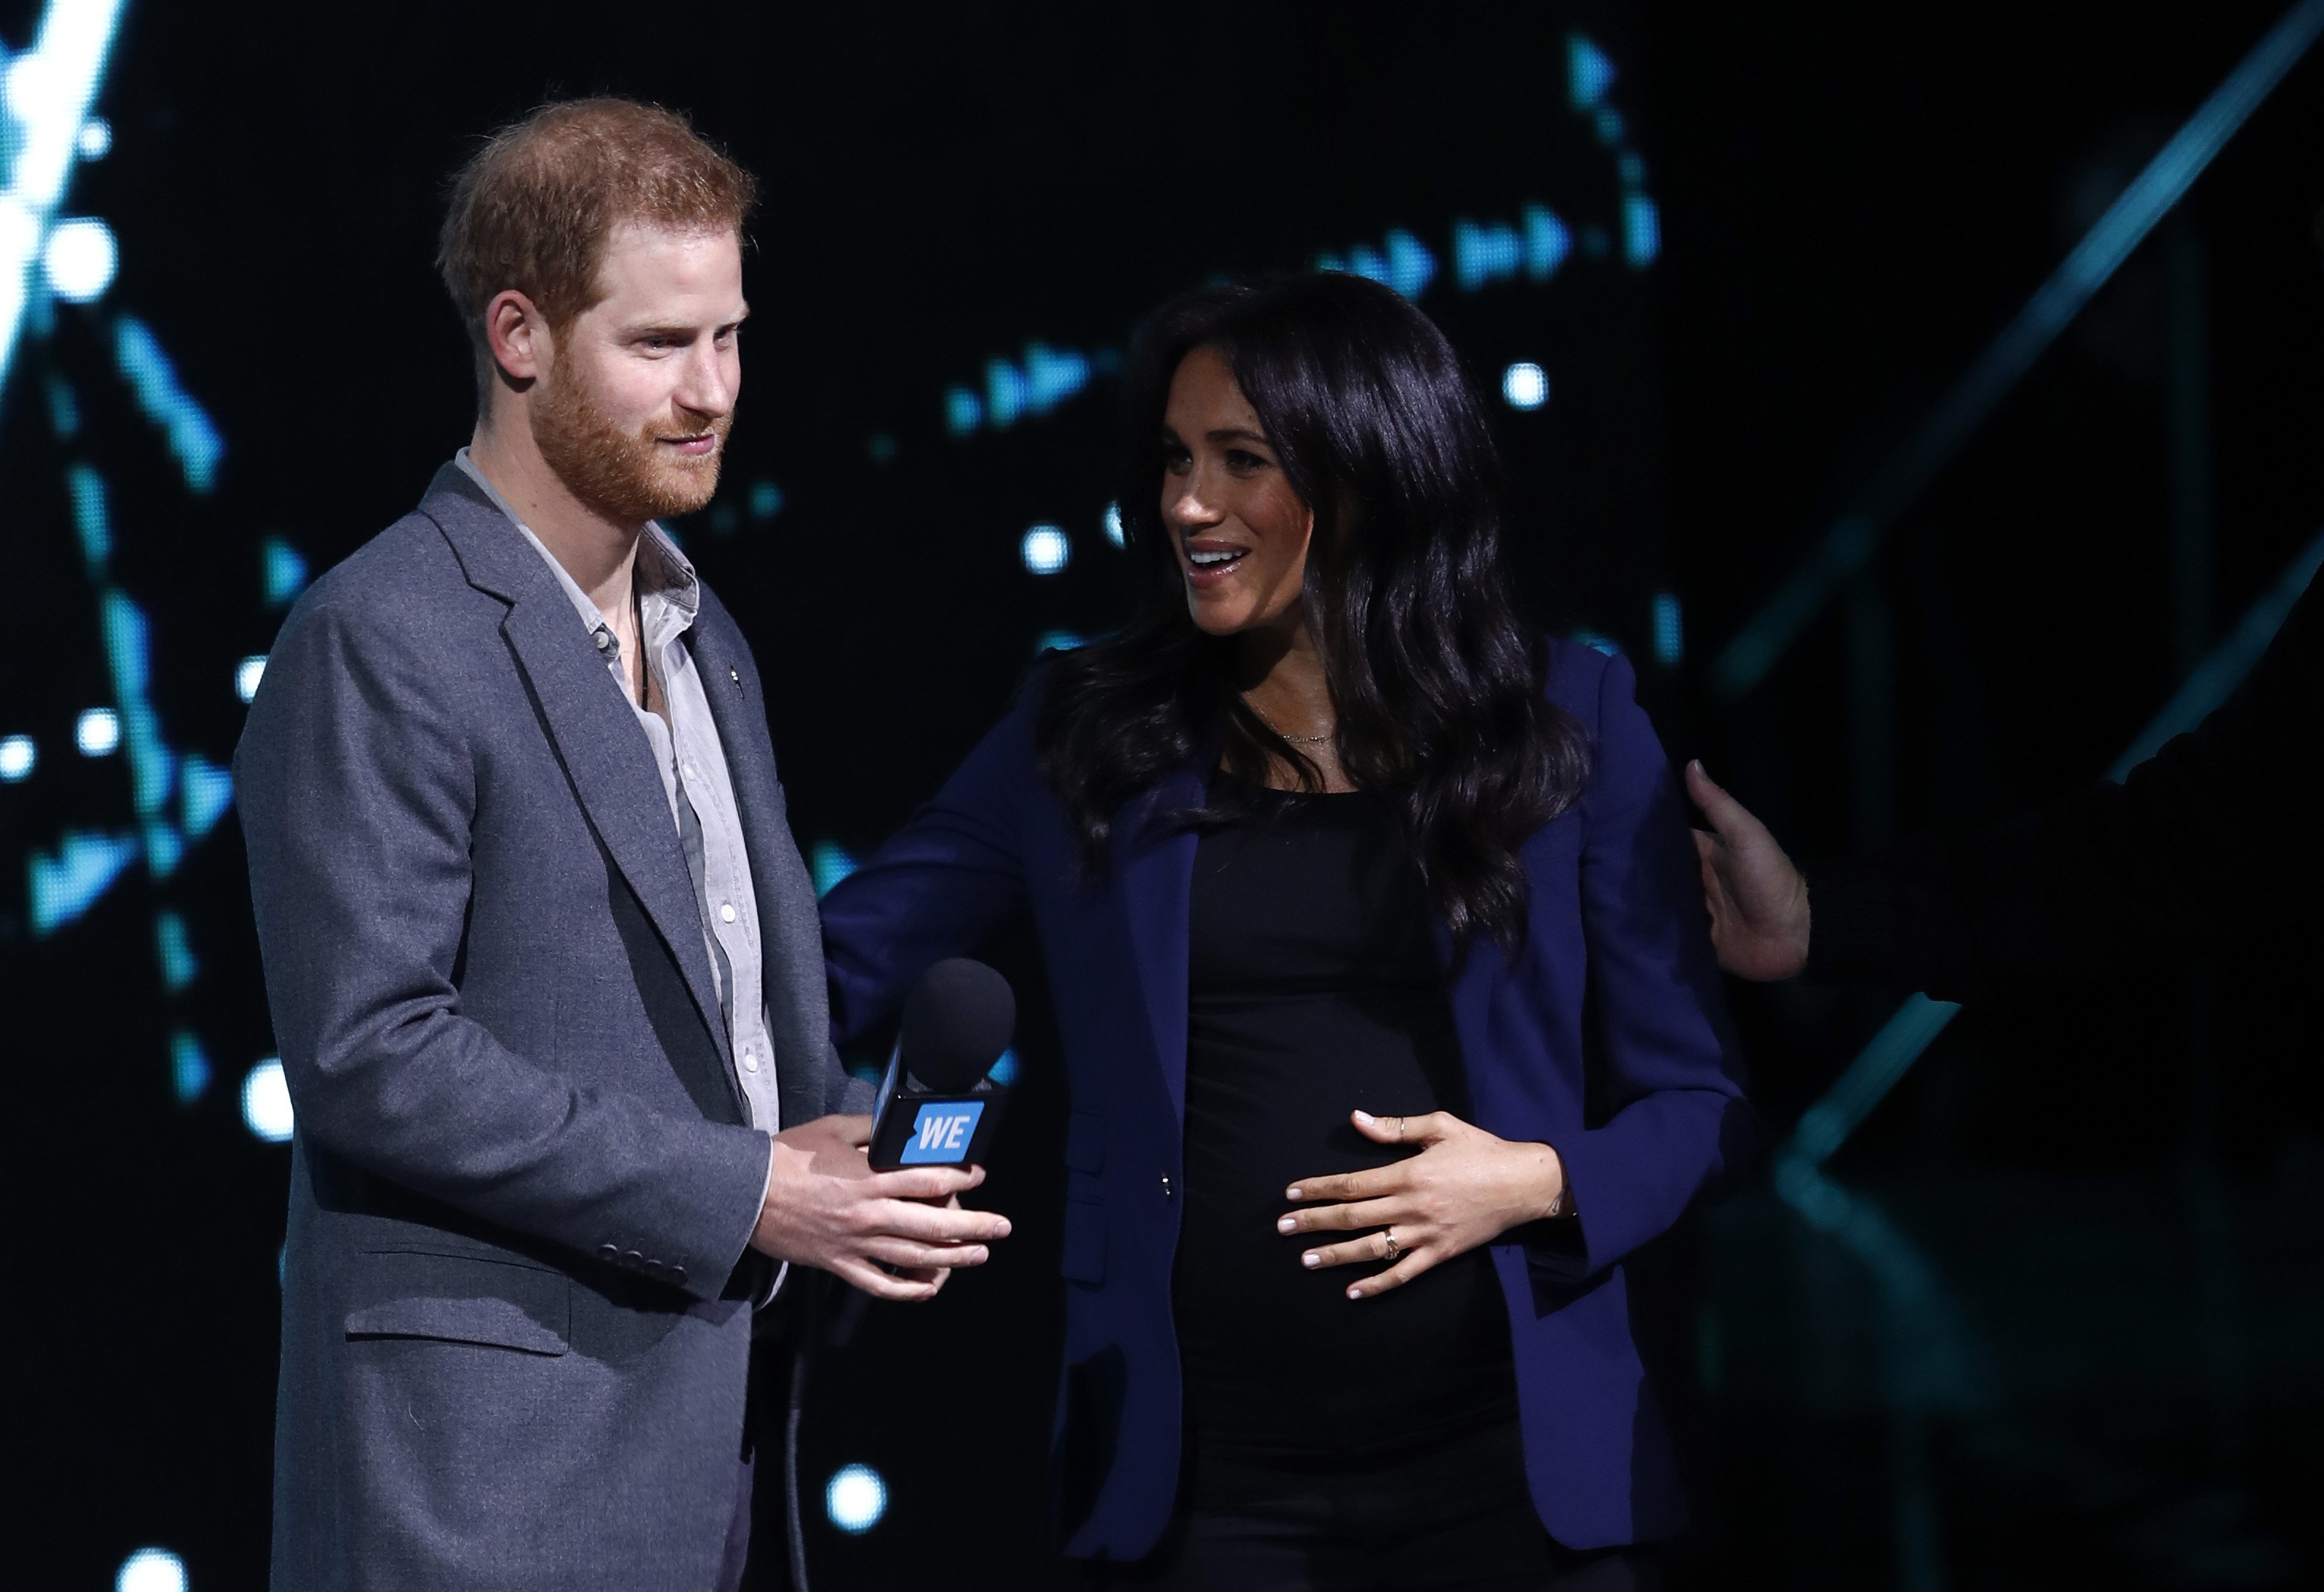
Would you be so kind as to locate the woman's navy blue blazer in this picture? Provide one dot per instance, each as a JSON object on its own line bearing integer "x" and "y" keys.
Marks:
{"x": 1606, "y": 1037}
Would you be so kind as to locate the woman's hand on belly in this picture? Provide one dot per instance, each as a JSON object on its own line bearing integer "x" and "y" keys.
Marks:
{"x": 1465, "y": 1188}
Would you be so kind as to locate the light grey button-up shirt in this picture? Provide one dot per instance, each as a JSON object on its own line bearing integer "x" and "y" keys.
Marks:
{"x": 693, "y": 765}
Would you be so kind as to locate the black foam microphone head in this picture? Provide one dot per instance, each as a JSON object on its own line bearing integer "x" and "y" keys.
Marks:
{"x": 956, "y": 1023}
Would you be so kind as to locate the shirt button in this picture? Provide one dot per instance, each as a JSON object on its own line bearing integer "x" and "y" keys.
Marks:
{"x": 726, "y": 912}
{"x": 690, "y": 770}
{"x": 604, "y": 640}
{"x": 749, "y": 1060}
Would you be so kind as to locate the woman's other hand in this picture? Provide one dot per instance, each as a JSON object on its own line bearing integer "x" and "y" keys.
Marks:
{"x": 1757, "y": 901}
{"x": 1465, "y": 1188}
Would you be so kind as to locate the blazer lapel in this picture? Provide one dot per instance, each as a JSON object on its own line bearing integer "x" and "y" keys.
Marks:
{"x": 604, "y": 751}
{"x": 1156, "y": 866}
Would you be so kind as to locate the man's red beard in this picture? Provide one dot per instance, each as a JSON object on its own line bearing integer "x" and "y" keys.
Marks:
{"x": 627, "y": 476}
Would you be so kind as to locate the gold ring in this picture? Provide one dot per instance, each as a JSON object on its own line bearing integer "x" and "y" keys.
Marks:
{"x": 1395, "y": 1249}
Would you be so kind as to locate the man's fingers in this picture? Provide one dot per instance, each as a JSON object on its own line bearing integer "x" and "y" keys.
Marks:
{"x": 925, "y": 1183}
{"x": 930, "y": 1224}
{"x": 1340, "y": 1218}
{"x": 879, "y": 1283}
{"x": 926, "y": 1257}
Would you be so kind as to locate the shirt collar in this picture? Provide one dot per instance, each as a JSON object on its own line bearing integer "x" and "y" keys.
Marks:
{"x": 666, "y": 579}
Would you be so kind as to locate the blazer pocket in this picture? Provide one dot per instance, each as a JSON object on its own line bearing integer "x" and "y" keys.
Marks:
{"x": 1084, "y": 1260}
{"x": 461, "y": 1298}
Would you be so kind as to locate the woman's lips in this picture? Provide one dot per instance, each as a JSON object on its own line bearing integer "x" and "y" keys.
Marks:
{"x": 1210, "y": 563}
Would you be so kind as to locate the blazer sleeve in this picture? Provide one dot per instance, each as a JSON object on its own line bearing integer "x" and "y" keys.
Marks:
{"x": 2207, "y": 838}
{"x": 358, "y": 790}
{"x": 1670, "y": 1073}
{"x": 940, "y": 886}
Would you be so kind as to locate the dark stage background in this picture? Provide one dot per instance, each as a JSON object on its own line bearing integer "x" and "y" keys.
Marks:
{"x": 1716, "y": 263}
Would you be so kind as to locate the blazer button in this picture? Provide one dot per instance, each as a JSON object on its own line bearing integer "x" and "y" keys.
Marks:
{"x": 610, "y": 1251}
{"x": 1166, "y": 1185}
{"x": 634, "y": 1258}
{"x": 678, "y": 1274}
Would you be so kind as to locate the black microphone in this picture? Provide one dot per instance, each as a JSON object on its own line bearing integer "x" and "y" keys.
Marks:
{"x": 936, "y": 1107}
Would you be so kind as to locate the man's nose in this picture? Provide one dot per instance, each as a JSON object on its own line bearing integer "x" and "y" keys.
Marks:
{"x": 707, "y": 386}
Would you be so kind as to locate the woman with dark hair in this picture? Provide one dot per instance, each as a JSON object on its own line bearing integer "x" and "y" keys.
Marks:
{"x": 1389, "y": 1012}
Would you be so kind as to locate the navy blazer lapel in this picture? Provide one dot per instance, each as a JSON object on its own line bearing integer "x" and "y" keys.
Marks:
{"x": 604, "y": 751}
{"x": 1155, "y": 866}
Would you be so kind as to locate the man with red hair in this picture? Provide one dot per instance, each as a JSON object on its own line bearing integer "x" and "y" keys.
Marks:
{"x": 542, "y": 953}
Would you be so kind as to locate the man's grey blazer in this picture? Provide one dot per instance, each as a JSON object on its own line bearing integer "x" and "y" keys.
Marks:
{"x": 516, "y": 1318}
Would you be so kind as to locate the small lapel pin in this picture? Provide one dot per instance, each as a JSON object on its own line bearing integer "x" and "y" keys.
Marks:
{"x": 735, "y": 675}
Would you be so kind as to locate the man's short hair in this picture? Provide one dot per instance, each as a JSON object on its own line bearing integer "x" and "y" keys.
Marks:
{"x": 532, "y": 209}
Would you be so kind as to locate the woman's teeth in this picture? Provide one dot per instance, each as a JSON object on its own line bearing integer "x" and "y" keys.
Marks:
{"x": 1213, "y": 560}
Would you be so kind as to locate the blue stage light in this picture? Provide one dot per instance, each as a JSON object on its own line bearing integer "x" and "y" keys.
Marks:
{"x": 151, "y": 1570}
{"x": 247, "y": 674}
{"x": 91, "y": 518}
{"x": 1642, "y": 230}
{"x": 1004, "y": 1070}
{"x": 1056, "y": 640}
{"x": 1588, "y": 73}
{"x": 1670, "y": 635}
{"x": 17, "y": 757}
{"x": 855, "y": 1499}
{"x": 67, "y": 884}
{"x": 1005, "y": 392}
{"x": 205, "y": 791}
{"x": 189, "y": 1068}
{"x": 1482, "y": 255}
{"x": 96, "y": 138}
{"x": 1113, "y": 524}
{"x": 193, "y": 439}
{"x": 1546, "y": 243}
{"x": 830, "y": 863}
{"x": 283, "y": 571}
{"x": 266, "y": 1103}
{"x": 1045, "y": 549}
{"x": 80, "y": 260}
{"x": 766, "y": 499}
{"x": 1403, "y": 262}
{"x": 97, "y": 732}
{"x": 964, "y": 411}
{"x": 1525, "y": 385}
{"x": 175, "y": 954}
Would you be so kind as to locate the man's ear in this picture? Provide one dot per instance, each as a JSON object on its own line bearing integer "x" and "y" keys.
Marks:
{"x": 519, "y": 337}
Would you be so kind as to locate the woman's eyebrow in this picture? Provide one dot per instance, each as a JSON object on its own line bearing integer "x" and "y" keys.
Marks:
{"x": 1237, "y": 434}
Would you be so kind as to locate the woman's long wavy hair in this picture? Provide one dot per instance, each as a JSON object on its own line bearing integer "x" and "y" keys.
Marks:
{"x": 1437, "y": 686}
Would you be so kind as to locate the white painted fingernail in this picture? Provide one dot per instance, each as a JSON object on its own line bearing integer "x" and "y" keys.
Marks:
{"x": 1287, "y": 1226}
{"x": 1292, "y": 1192}
{"x": 1355, "y": 1292}
{"x": 1311, "y": 1260}
{"x": 1365, "y": 1117}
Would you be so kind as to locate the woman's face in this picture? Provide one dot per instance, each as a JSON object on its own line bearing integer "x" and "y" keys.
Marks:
{"x": 1242, "y": 532}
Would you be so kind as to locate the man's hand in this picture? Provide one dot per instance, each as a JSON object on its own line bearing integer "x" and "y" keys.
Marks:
{"x": 826, "y": 1207}
{"x": 1759, "y": 902}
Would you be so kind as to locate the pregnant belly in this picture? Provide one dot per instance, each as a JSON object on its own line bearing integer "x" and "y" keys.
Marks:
{"x": 1275, "y": 1354}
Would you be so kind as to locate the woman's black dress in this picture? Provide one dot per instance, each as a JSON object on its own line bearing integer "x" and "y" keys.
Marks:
{"x": 1331, "y": 1442}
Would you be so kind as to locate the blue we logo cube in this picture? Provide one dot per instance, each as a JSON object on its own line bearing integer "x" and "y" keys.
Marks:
{"x": 942, "y": 1133}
